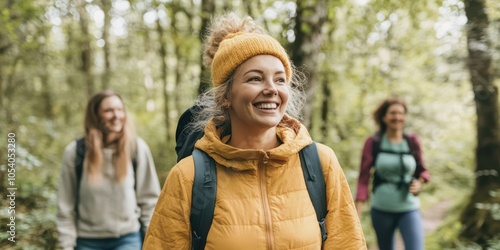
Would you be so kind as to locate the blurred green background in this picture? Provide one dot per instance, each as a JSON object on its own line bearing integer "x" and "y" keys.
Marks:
{"x": 54, "y": 54}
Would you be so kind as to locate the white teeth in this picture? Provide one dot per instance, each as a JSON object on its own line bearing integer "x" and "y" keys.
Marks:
{"x": 266, "y": 105}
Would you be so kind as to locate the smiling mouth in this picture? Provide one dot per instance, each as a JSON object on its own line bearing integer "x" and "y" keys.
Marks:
{"x": 266, "y": 106}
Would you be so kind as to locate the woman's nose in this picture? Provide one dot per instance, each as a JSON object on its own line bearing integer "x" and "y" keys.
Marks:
{"x": 117, "y": 114}
{"x": 270, "y": 88}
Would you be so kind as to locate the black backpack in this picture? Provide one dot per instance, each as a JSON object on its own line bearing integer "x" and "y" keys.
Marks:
{"x": 205, "y": 181}
{"x": 185, "y": 137}
{"x": 378, "y": 179}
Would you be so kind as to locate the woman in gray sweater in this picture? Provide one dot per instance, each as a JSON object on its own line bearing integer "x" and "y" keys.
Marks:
{"x": 108, "y": 187}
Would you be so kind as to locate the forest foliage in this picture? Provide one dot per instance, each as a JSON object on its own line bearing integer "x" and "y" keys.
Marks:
{"x": 55, "y": 54}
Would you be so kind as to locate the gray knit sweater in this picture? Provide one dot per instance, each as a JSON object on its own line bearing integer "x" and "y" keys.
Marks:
{"x": 108, "y": 209}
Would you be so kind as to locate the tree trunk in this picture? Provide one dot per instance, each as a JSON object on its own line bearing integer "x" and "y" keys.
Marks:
{"x": 329, "y": 117}
{"x": 85, "y": 48}
{"x": 481, "y": 217}
{"x": 106, "y": 76}
{"x": 48, "y": 103}
{"x": 149, "y": 57}
{"x": 9, "y": 95}
{"x": 71, "y": 78}
{"x": 325, "y": 108}
{"x": 164, "y": 73}
{"x": 207, "y": 9}
{"x": 311, "y": 15}
{"x": 180, "y": 68}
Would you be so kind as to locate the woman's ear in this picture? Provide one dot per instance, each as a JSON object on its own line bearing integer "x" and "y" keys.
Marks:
{"x": 226, "y": 104}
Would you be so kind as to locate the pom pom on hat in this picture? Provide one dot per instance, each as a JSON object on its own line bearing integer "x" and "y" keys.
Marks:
{"x": 239, "y": 47}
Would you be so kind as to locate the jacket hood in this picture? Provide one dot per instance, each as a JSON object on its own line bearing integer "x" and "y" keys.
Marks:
{"x": 290, "y": 131}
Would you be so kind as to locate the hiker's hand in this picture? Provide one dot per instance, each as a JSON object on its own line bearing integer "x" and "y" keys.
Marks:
{"x": 415, "y": 186}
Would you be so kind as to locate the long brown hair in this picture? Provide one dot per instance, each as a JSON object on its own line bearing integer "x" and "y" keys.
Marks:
{"x": 381, "y": 111}
{"x": 95, "y": 140}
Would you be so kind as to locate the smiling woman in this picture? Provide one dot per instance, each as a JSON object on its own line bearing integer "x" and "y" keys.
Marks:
{"x": 112, "y": 114}
{"x": 398, "y": 177}
{"x": 108, "y": 187}
{"x": 257, "y": 101}
{"x": 252, "y": 133}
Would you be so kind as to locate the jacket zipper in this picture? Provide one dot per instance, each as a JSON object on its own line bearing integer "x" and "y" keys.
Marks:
{"x": 265, "y": 203}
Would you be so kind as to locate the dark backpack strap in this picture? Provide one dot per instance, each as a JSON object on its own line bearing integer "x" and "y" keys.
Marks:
{"x": 315, "y": 182}
{"x": 203, "y": 200}
{"x": 134, "y": 167}
{"x": 376, "y": 139}
{"x": 80, "y": 156}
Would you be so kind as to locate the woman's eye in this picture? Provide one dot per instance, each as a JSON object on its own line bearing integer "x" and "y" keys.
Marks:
{"x": 254, "y": 79}
{"x": 281, "y": 80}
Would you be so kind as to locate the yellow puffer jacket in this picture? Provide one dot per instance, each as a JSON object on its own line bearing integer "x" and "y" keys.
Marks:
{"x": 262, "y": 200}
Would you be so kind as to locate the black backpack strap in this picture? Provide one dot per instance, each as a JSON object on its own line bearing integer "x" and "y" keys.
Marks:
{"x": 203, "y": 200}
{"x": 80, "y": 156}
{"x": 315, "y": 182}
{"x": 376, "y": 140}
{"x": 134, "y": 167}
{"x": 375, "y": 150}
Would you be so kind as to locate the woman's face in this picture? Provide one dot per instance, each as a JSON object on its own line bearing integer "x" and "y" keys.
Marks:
{"x": 259, "y": 94}
{"x": 395, "y": 117}
{"x": 112, "y": 114}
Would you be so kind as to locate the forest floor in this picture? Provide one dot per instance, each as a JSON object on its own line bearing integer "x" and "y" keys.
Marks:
{"x": 433, "y": 217}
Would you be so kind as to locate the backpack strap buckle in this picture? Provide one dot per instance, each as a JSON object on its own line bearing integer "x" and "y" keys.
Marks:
{"x": 322, "y": 226}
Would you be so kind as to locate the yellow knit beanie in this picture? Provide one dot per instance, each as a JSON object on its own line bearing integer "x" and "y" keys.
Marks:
{"x": 239, "y": 47}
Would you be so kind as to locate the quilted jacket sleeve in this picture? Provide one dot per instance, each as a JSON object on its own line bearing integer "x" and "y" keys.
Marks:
{"x": 169, "y": 227}
{"x": 342, "y": 222}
